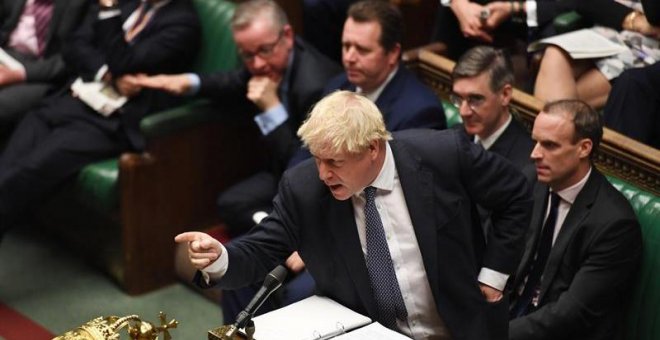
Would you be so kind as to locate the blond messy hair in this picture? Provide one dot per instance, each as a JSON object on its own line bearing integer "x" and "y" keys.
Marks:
{"x": 343, "y": 121}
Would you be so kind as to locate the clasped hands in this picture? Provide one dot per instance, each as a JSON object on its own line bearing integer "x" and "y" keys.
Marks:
{"x": 473, "y": 22}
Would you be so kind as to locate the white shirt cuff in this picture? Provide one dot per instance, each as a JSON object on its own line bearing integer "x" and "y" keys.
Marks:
{"x": 271, "y": 119}
{"x": 108, "y": 13}
{"x": 100, "y": 73}
{"x": 493, "y": 279}
{"x": 217, "y": 269}
{"x": 195, "y": 84}
{"x": 445, "y": 3}
{"x": 530, "y": 8}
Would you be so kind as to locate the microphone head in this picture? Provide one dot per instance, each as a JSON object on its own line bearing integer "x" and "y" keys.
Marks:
{"x": 275, "y": 277}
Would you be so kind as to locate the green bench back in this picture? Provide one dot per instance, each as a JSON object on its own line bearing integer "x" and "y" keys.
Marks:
{"x": 643, "y": 317}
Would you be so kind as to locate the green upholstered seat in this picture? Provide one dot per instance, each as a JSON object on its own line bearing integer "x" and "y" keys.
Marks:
{"x": 451, "y": 113}
{"x": 96, "y": 185}
{"x": 643, "y": 317}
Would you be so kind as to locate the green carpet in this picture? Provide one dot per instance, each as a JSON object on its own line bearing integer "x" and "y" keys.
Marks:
{"x": 59, "y": 291}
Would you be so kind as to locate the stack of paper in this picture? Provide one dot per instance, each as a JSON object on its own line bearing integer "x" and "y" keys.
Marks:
{"x": 312, "y": 318}
{"x": 581, "y": 44}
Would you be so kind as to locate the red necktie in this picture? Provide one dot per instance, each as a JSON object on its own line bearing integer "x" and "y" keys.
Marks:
{"x": 42, "y": 11}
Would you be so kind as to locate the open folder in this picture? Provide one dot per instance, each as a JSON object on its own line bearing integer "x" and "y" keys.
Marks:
{"x": 319, "y": 317}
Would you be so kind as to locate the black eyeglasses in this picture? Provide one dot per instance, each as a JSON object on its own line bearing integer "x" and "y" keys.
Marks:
{"x": 473, "y": 100}
{"x": 265, "y": 51}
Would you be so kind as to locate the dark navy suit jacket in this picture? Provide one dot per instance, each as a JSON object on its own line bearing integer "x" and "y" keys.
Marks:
{"x": 442, "y": 175}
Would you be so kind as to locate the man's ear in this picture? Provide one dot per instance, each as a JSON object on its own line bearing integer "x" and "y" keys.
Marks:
{"x": 506, "y": 95}
{"x": 394, "y": 55}
{"x": 585, "y": 147}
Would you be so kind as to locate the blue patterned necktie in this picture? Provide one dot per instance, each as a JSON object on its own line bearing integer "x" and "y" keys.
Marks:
{"x": 379, "y": 264}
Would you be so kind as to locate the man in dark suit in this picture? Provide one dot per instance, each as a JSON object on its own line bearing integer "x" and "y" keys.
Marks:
{"x": 442, "y": 284}
{"x": 482, "y": 90}
{"x": 282, "y": 78}
{"x": 584, "y": 244}
{"x": 52, "y": 143}
{"x": 371, "y": 50}
{"x": 33, "y": 33}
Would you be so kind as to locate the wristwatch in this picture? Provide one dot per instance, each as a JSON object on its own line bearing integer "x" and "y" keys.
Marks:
{"x": 108, "y": 4}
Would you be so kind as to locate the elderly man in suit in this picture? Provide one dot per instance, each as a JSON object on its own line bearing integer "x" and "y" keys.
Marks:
{"x": 385, "y": 225}
{"x": 116, "y": 42}
{"x": 33, "y": 33}
{"x": 584, "y": 244}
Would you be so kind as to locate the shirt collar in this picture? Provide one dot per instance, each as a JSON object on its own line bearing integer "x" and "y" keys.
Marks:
{"x": 490, "y": 140}
{"x": 569, "y": 194}
{"x": 385, "y": 179}
{"x": 373, "y": 95}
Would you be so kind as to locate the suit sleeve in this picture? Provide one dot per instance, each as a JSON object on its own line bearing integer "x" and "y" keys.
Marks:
{"x": 498, "y": 186}
{"x": 602, "y": 278}
{"x": 173, "y": 36}
{"x": 266, "y": 245}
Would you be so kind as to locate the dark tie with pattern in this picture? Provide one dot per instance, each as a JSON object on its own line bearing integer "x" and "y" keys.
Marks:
{"x": 379, "y": 264}
{"x": 535, "y": 271}
{"x": 42, "y": 11}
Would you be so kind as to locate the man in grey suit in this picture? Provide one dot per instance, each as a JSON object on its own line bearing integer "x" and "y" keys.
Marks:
{"x": 584, "y": 244}
{"x": 385, "y": 225}
{"x": 33, "y": 32}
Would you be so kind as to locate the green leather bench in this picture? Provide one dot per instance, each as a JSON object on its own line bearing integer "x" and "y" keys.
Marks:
{"x": 122, "y": 214}
{"x": 633, "y": 168}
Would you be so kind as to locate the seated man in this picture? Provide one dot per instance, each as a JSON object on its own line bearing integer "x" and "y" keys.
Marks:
{"x": 384, "y": 224}
{"x": 482, "y": 91}
{"x": 33, "y": 33}
{"x": 115, "y": 43}
{"x": 371, "y": 50}
{"x": 584, "y": 243}
{"x": 282, "y": 78}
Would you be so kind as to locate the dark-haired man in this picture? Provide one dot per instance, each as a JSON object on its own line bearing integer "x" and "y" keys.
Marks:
{"x": 585, "y": 242}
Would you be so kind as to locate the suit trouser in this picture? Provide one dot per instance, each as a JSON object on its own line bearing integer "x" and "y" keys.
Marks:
{"x": 238, "y": 203}
{"x": 633, "y": 106}
{"x": 49, "y": 146}
{"x": 16, "y": 100}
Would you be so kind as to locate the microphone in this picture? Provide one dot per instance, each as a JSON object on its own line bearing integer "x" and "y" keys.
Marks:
{"x": 272, "y": 281}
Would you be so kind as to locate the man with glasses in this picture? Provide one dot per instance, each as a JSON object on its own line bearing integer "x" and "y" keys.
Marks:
{"x": 482, "y": 91}
{"x": 282, "y": 77}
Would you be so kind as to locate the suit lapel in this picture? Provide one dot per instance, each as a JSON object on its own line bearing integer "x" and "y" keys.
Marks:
{"x": 388, "y": 96}
{"x": 341, "y": 221}
{"x": 417, "y": 184}
{"x": 59, "y": 7}
{"x": 578, "y": 212}
{"x": 536, "y": 224}
{"x": 505, "y": 142}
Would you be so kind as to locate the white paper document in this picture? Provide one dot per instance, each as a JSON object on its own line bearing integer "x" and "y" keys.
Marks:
{"x": 99, "y": 96}
{"x": 374, "y": 331}
{"x": 313, "y": 318}
{"x": 581, "y": 44}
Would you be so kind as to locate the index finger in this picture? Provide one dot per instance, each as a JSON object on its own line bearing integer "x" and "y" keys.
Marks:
{"x": 189, "y": 236}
